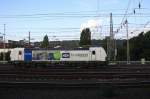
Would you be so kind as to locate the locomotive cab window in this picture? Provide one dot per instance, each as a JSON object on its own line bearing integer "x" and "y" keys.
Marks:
{"x": 93, "y": 52}
{"x": 20, "y": 52}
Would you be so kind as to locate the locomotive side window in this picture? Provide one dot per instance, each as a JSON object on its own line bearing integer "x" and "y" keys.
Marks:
{"x": 20, "y": 52}
{"x": 93, "y": 52}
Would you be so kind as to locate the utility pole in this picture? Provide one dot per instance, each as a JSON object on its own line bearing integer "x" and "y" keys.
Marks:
{"x": 111, "y": 45}
{"x": 4, "y": 44}
{"x": 128, "y": 49}
{"x": 108, "y": 47}
{"x": 115, "y": 49}
{"x": 29, "y": 39}
{"x": 111, "y": 27}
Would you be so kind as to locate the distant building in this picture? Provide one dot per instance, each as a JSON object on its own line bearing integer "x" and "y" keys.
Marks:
{"x": 1, "y": 38}
{"x": 70, "y": 44}
{"x": 2, "y": 44}
{"x": 37, "y": 44}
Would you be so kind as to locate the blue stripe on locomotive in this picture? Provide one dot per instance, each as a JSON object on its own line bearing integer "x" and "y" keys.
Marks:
{"x": 27, "y": 55}
{"x": 50, "y": 56}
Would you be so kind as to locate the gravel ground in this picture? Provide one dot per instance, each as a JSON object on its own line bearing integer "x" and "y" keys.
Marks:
{"x": 74, "y": 93}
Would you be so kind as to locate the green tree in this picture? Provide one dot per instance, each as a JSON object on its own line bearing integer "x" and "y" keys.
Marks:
{"x": 1, "y": 56}
{"x": 140, "y": 46}
{"x": 85, "y": 38}
{"x": 45, "y": 42}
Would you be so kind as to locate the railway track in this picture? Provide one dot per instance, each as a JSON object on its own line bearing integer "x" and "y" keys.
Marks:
{"x": 73, "y": 71}
{"x": 115, "y": 75}
{"x": 77, "y": 83}
{"x": 103, "y": 68}
{"x": 100, "y": 76}
{"x": 10, "y": 66}
{"x": 79, "y": 75}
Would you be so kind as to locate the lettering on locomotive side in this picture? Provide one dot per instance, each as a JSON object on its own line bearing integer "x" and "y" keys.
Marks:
{"x": 79, "y": 55}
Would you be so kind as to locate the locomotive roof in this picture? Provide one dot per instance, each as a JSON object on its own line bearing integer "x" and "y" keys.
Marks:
{"x": 58, "y": 49}
{"x": 62, "y": 48}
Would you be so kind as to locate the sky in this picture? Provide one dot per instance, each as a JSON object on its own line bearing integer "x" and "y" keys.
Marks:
{"x": 65, "y": 19}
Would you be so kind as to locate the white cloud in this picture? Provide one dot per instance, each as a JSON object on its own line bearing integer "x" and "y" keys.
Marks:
{"x": 95, "y": 26}
{"x": 146, "y": 27}
{"x": 91, "y": 24}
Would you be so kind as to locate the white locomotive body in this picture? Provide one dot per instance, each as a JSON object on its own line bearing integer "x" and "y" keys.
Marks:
{"x": 90, "y": 55}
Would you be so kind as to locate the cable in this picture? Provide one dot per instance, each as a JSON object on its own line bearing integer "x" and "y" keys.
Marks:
{"x": 126, "y": 12}
{"x": 59, "y": 15}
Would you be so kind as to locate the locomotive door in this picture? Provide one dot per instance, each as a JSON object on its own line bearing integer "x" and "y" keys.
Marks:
{"x": 20, "y": 56}
{"x": 93, "y": 55}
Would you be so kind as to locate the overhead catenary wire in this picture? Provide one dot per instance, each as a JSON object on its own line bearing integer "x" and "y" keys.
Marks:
{"x": 124, "y": 16}
{"x": 57, "y": 16}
